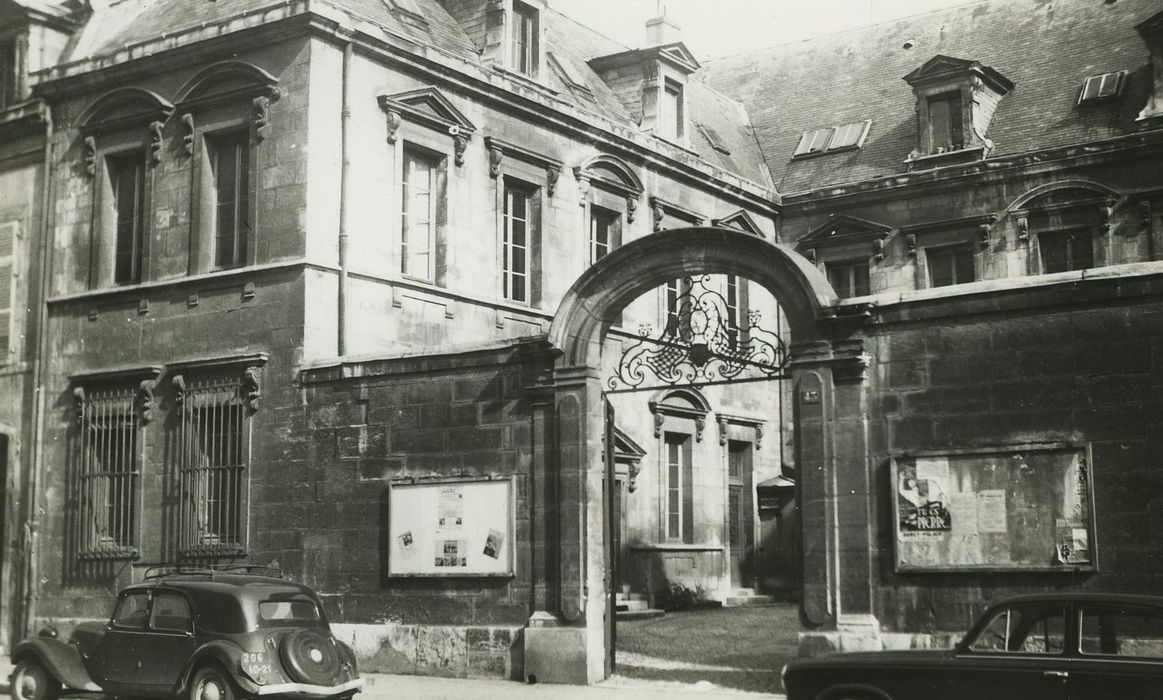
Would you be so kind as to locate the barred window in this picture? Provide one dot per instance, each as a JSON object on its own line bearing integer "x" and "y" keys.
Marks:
{"x": 211, "y": 466}
{"x": 109, "y": 473}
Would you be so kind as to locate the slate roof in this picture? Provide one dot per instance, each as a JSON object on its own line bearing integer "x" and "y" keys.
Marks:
{"x": 1046, "y": 48}
{"x": 132, "y": 21}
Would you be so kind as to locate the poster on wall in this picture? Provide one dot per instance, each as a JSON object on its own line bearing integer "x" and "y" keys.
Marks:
{"x": 451, "y": 528}
{"x": 1020, "y": 508}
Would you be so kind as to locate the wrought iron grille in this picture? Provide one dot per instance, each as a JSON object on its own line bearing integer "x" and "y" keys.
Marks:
{"x": 702, "y": 343}
{"x": 108, "y": 472}
{"x": 211, "y": 465}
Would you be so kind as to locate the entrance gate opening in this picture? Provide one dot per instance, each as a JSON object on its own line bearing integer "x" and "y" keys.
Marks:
{"x": 688, "y": 356}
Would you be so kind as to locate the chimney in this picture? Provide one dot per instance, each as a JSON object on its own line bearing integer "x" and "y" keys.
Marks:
{"x": 661, "y": 29}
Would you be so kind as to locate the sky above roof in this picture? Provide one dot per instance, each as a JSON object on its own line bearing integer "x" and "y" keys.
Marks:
{"x": 714, "y": 28}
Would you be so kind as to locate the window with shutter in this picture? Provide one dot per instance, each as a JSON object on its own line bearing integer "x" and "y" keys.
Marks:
{"x": 8, "y": 233}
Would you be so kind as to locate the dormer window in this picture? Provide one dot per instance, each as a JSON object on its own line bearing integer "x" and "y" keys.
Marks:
{"x": 956, "y": 101}
{"x": 946, "y": 125}
{"x": 670, "y": 122}
{"x": 525, "y": 39}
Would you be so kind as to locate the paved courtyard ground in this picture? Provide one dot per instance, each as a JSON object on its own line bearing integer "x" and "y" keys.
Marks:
{"x": 729, "y": 648}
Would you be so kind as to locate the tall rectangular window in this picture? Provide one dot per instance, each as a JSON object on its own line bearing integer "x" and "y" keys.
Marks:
{"x": 230, "y": 168}
{"x": 945, "y": 123}
{"x": 127, "y": 184}
{"x": 418, "y": 218}
{"x": 849, "y": 278}
{"x": 211, "y": 467}
{"x": 679, "y": 490}
{"x": 519, "y": 222}
{"x": 950, "y": 265}
{"x": 1063, "y": 251}
{"x": 670, "y": 117}
{"x": 525, "y": 38}
{"x": 605, "y": 232}
{"x": 736, "y": 299}
{"x": 108, "y": 473}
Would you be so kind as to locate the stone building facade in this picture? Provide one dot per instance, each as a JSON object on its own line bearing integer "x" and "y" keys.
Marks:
{"x": 305, "y": 255}
{"x": 342, "y": 285}
{"x": 986, "y": 196}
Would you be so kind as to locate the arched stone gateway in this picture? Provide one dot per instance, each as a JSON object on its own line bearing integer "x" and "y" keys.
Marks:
{"x": 568, "y": 636}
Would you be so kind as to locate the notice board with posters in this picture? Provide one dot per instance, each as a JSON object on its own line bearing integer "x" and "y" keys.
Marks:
{"x": 1017, "y": 508}
{"x": 451, "y": 528}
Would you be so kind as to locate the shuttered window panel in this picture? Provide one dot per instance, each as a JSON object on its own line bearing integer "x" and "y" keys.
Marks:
{"x": 1106, "y": 86}
{"x": 8, "y": 238}
{"x": 813, "y": 141}
{"x": 849, "y": 135}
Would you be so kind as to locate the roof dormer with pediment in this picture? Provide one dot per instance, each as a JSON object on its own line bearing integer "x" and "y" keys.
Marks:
{"x": 651, "y": 83}
{"x": 956, "y": 101}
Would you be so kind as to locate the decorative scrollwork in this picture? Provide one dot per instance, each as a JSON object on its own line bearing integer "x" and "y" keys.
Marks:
{"x": 701, "y": 343}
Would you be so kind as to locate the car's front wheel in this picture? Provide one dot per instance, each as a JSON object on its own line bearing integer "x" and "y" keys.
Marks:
{"x": 212, "y": 683}
{"x": 32, "y": 681}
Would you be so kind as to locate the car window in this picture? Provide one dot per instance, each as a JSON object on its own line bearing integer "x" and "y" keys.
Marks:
{"x": 287, "y": 611}
{"x": 131, "y": 610}
{"x": 1122, "y": 632}
{"x": 1025, "y": 630}
{"x": 171, "y": 612}
{"x": 220, "y": 613}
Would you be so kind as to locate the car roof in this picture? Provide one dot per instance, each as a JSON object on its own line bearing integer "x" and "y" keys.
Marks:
{"x": 247, "y": 586}
{"x": 1082, "y": 597}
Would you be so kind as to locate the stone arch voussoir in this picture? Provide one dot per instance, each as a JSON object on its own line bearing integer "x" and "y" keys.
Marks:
{"x": 802, "y": 291}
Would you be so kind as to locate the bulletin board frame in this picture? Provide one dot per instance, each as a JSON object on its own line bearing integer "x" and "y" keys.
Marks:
{"x": 1070, "y": 543}
{"x": 418, "y": 523}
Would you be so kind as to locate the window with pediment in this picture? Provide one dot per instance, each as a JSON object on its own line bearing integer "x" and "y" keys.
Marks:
{"x": 955, "y": 102}
{"x": 1067, "y": 227}
{"x": 680, "y": 418}
{"x": 427, "y": 135}
{"x": 121, "y": 142}
{"x": 610, "y": 191}
{"x": 847, "y": 250}
{"x": 225, "y": 116}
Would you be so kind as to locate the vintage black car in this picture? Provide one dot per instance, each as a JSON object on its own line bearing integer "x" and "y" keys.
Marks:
{"x": 1047, "y": 646}
{"x": 204, "y": 633}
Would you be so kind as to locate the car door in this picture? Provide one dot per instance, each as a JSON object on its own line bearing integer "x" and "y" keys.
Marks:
{"x": 1019, "y": 654}
{"x": 115, "y": 664}
{"x": 170, "y": 637}
{"x": 1120, "y": 654}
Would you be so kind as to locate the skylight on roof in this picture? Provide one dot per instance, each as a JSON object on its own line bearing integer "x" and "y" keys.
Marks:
{"x": 1097, "y": 88}
{"x": 714, "y": 138}
{"x": 407, "y": 8}
{"x": 835, "y": 138}
{"x": 568, "y": 72}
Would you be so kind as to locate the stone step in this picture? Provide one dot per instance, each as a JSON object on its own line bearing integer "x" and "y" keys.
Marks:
{"x": 630, "y": 596}
{"x": 623, "y": 615}
{"x": 625, "y": 605}
{"x": 737, "y": 601}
